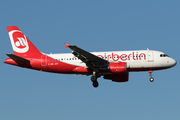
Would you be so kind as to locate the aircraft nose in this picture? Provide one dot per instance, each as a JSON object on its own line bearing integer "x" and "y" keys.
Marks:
{"x": 173, "y": 62}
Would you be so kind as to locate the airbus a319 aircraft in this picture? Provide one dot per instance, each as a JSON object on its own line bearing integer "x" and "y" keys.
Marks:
{"x": 113, "y": 65}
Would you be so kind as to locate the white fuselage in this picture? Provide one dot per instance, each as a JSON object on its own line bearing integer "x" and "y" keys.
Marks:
{"x": 136, "y": 60}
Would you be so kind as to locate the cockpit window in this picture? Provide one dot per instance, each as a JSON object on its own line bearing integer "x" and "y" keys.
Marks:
{"x": 163, "y": 55}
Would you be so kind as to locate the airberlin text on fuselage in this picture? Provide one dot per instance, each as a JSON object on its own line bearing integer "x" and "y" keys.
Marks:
{"x": 123, "y": 57}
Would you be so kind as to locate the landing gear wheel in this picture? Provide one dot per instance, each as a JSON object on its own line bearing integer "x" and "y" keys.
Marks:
{"x": 93, "y": 78}
{"x": 151, "y": 79}
{"x": 150, "y": 74}
{"x": 95, "y": 84}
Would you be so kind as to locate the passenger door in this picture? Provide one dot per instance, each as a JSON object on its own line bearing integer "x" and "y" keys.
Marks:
{"x": 150, "y": 56}
{"x": 43, "y": 60}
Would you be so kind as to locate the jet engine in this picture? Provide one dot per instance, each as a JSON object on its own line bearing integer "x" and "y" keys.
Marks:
{"x": 118, "y": 77}
{"x": 119, "y": 67}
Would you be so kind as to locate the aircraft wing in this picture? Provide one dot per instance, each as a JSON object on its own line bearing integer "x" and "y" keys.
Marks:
{"x": 90, "y": 59}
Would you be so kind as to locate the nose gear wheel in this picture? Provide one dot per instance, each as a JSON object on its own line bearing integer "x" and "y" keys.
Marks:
{"x": 150, "y": 74}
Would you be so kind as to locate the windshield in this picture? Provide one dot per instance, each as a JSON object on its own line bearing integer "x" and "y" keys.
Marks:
{"x": 164, "y": 55}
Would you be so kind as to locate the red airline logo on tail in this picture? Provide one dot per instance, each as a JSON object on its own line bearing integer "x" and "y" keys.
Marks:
{"x": 21, "y": 44}
{"x": 19, "y": 41}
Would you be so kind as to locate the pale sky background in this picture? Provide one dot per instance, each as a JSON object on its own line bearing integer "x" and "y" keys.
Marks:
{"x": 95, "y": 25}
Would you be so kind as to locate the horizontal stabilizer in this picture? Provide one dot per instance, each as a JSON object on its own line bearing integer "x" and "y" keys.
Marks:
{"x": 17, "y": 58}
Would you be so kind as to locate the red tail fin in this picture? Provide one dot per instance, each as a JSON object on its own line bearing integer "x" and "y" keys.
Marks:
{"x": 21, "y": 45}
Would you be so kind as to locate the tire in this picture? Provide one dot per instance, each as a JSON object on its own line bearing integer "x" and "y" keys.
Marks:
{"x": 95, "y": 84}
{"x": 93, "y": 78}
{"x": 151, "y": 79}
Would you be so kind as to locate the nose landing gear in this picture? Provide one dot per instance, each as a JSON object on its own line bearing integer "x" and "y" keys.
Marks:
{"x": 150, "y": 74}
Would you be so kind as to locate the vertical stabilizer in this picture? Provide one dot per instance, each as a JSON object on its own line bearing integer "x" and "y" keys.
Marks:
{"x": 21, "y": 45}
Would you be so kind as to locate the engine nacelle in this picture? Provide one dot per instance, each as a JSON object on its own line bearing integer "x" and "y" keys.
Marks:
{"x": 119, "y": 67}
{"x": 118, "y": 77}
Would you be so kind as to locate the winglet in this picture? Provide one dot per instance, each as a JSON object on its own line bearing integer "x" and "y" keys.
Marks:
{"x": 67, "y": 45}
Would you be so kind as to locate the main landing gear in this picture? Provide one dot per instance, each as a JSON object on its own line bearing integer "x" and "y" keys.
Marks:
{"x": 150, "y": 74}
{"x": 94, "y": 78}
{"x": 94, "y": 81}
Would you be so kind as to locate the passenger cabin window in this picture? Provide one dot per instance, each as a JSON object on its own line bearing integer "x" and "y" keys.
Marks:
{"x": 163, "y": 55}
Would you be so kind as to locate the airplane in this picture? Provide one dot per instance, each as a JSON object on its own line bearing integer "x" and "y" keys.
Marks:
{"x": 112, "y": 65}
